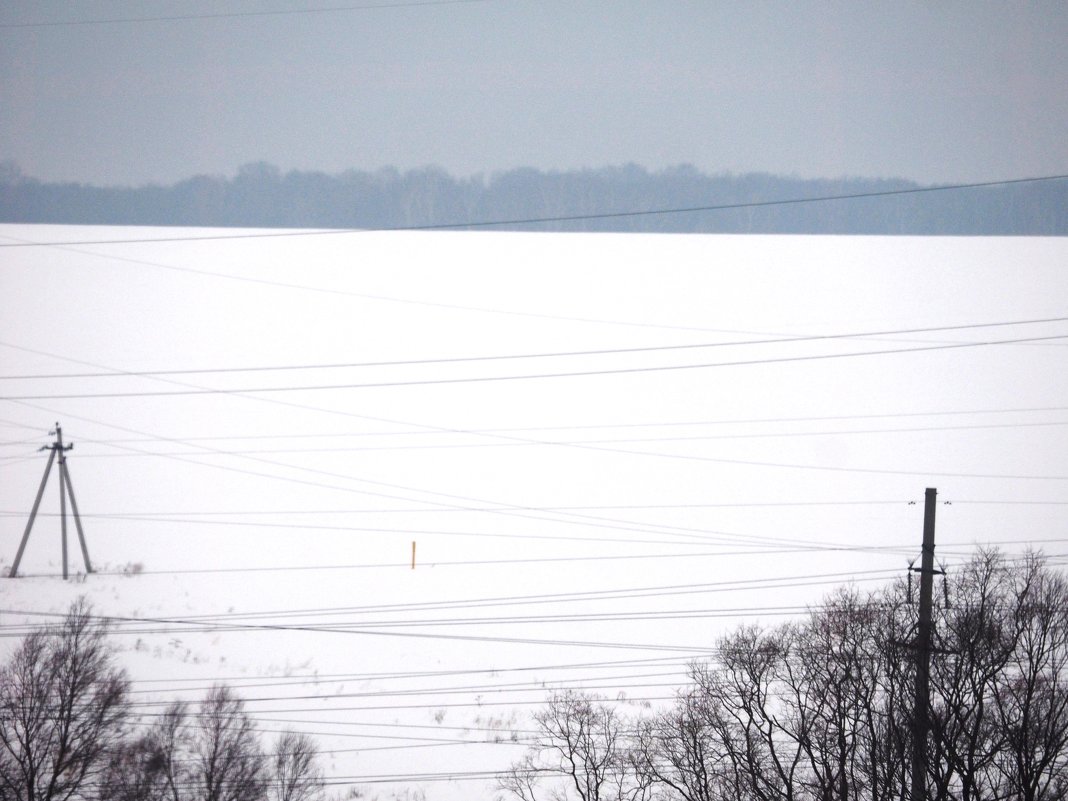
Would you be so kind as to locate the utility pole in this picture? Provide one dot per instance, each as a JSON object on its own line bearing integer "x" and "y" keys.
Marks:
{"x": 65, "y": 491}
{"x": 921, "y": 723}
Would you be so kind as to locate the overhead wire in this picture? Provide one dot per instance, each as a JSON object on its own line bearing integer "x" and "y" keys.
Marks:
{"x": 508, "y": 600}
{"x": 511, "y": 510}
{"x": 692, "y": 536}
{"x": 579, "y": 683}
{"x": 385, "y": 298}
{"x": 446, "y": 690}
{"x": 363, "y": 448}
{"x": 588, "y": 683}
{"x": 506, "y": 510}
{"x": 531, "y": 376}
{"x": 570, "y": 516}
{"x": 600, "y": 521}
{"x": 230, "y": 621}
{"x": 644, "y": 453}
{"x": 542, "y": 355}
{"x": 453, "y": 690}
{"x": 638, "y": 453}
{"x": 424, "y": 673}
{"x": 493, "y": 695}
{"x": 289, "y": 285}
{"x": 435, "y": 563}
{"x": 572, "y": 427}
{"x": 155, "y": 514}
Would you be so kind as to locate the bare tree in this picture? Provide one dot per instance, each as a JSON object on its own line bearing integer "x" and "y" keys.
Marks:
{"x": 213, "y": 753}
{"x": 226, "y": 762}
{"x": 585, "y": 741}
{"x": 823, "y": 708}
{"x": 297, "y": 776}
{"x": 63, "y": 705}
{"x": 1031, "y": 693}
{"x": 171, "y": 740}
{"x": 682, "y": 749}
{"x": 746, "y": 690}
{"x": 974, "y": 638}
{"x": 522, "y": 779}
{"x": 887, "y": 720}
{"x": 136, "y": 772}
{"x": 154, "y": 765}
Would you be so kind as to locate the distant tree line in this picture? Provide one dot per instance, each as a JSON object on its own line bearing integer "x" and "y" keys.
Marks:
{"x": 823, "y": 708}
{"x": 260, "y": 195}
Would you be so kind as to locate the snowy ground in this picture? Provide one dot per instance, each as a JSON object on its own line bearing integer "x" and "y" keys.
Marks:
{"x": 596, "y": 525}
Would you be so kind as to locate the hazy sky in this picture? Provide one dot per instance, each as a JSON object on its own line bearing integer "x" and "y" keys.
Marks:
{"x": 930, "y": 92}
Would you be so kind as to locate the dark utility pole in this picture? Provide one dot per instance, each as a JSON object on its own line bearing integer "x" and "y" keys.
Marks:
{"x": 921, "y": 720}
{"x": 65, "y": 491}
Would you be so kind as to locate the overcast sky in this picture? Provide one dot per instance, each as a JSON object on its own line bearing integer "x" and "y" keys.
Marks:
{"x": 930, "y": 92}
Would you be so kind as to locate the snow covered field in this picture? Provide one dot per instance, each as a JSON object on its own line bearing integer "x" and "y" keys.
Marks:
{"x": 604, "y": 447}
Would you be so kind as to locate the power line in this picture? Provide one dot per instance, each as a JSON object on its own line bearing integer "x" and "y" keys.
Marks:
{"x": 623, "y": 681}
{"x": 514, "y": 620}
{"x": 331, "y": 677}
{"x": 433, "y": 563}
{"x": 533, "y": 685}
{"x": 691, "y": 535}
{"x": 441, "y": 429}
{"x": 901, "y": 550}
{"x": 625, "y": 593}
{"x": 514, "y": 509}
{"x": 1014, "y": 503}
{"x": 384, "y": 298}
{"x": 710, "y": 539}
{"x": 759, "y": 544}
{"x": 573, "y": 374}
{"x": 510, "y": 510}
{"x": 631, "y": 528}
{"x": 488, "y": 432}
{"x": 139, "y": 626}
{"x": 376, "y": 297}
{"x": 543, "y": 355}
{"x": 561, "y": 218}
{"x": 576, "y": 682}
{"x": 507, "y": 600}
{"x": 576, "y": 443}
{"x": 164, "y": 516}
{"x": 497, "y": 698}
{"x": 506, "y": 509}
{"x": 679, "y": 665}
{"x": 584, "y": 427}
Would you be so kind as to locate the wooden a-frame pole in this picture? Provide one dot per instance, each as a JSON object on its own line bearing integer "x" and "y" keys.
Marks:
{"x": 65, "y": 491}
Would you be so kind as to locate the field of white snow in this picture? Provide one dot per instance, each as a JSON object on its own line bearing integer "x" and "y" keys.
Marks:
{"x": 606, "y": 449}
